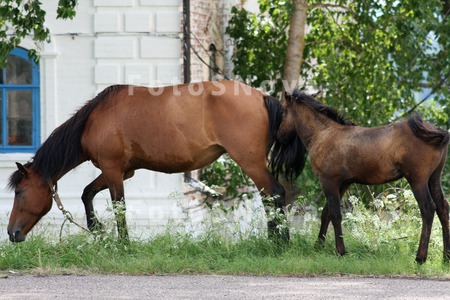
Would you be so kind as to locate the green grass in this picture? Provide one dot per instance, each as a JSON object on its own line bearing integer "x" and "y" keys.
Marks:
{"x": 381, "y": 240}
{"x": 176, "y": 254}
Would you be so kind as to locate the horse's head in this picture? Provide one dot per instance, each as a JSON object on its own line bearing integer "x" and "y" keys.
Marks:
{"x": 32, "y": 201}
{"x": 286, "y": 132}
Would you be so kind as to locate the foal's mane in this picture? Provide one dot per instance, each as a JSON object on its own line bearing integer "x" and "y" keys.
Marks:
{"x": 62, "y": 150}
{"x": 321, "y": 108}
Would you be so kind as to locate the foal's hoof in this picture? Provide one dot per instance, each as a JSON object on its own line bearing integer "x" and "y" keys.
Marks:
{"x": 319, "y": 244}
{"x": 446, "y": 258}
{"x": 340, "y": 251}
{"x": 420, "y": 260}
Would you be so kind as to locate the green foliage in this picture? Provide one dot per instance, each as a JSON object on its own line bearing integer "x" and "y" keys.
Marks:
{"x": 374, "y": 61}
{"x": 260, "y": 43}
{"x": 371, "y": 58}
{"x": 225, "y": 173}
{"x": 19, "y": 19}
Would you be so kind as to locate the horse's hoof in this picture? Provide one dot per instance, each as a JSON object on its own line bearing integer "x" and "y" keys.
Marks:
{"x": 96, "y": 226}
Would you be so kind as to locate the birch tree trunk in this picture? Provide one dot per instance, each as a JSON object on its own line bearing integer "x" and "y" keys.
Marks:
{"x": 296, "y": 44}
{"x": 292, "y": 67}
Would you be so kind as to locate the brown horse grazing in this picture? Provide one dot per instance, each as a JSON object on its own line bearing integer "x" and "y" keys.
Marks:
{"x": 171, "y": 129}
{"x": 342, "y": 153}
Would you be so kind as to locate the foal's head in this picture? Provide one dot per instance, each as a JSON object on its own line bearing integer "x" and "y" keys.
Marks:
{"x": 298, "y": 101}
{"x": 286, "y": 131}
{"x": 32, "y": 201}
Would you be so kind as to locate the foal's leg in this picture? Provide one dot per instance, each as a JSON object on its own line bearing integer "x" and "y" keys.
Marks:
{"x": 427, "y": 208}
{"x": 325, "y": 216}
{"x": 434, "y": 184}
{"x": 324, "y": 222}
{"x": 331, "y": 191}
{"x": 97, "y": 185}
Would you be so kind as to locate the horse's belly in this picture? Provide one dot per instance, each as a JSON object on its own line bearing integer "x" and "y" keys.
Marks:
{"x": 175, "y": 160}
{"x": 378, "y": 176}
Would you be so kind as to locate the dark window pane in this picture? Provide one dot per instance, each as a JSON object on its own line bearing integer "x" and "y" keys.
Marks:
{"x": 18, "y": 70}
{"x": 20, "y": 118}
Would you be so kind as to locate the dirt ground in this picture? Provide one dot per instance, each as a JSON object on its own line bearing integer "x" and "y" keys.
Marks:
{"x": 17, "y": 286}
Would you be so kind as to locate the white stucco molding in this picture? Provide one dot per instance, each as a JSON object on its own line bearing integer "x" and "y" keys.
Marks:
{"x": 48, "y": 76}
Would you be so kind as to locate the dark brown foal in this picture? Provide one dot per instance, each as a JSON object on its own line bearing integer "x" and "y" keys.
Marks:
{"x": 342, "y": 153}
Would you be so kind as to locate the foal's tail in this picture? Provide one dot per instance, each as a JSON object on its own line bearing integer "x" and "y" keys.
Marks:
{"x": 428, "y": 133}
{"x": 286, "y": 159}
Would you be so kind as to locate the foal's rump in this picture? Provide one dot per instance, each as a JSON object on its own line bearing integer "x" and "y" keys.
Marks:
{"x": 428, "y": 133}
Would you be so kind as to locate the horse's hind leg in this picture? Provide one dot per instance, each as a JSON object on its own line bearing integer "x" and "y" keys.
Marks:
{"x": 427, "y": 208}
{"x": 271, "y": 187}
{"x": 434, "y": 184}
{"x": 255, "y": 167}
{"x": 324, "y": 223}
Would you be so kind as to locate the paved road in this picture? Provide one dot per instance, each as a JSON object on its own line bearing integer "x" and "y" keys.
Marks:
{"x": 217, "y": 287}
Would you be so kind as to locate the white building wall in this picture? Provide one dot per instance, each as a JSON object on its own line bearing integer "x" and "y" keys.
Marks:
{"x": 108, "y": 42}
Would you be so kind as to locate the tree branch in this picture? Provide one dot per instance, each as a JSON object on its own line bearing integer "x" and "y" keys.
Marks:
{"x": 437, "y": 87}
{"x": 332, "y": 6}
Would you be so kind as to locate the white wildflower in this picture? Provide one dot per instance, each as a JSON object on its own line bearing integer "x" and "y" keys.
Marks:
{"x": 378, "y": 203}
{"x": 353, "y": 200}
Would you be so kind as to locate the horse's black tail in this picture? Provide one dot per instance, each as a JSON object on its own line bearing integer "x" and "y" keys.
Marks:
{"x": 428, "y": 133}
{"x": 285, "y": 159}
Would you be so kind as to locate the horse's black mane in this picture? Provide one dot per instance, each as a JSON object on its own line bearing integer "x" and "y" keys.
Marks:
{"x": 324, "y": 109}
{"x": 62, "y": 150}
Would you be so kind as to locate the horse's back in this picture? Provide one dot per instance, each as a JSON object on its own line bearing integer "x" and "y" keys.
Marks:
{"x": 174, "y": 128}
{"x": 375, "y": 155}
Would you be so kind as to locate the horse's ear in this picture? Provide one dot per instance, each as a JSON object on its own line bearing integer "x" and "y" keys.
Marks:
{"x": 317, "y": 94}
{"x": 287, "y": 97}
{"x": 22, "y": 169}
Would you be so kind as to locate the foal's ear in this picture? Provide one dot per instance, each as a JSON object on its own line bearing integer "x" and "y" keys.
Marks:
{"x": 287, "y": 97}
{"x": 318, "y": 94}
{"x": 22, "y": 169}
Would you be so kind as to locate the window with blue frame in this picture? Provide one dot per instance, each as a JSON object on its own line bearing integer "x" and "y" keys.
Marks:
{"x": 19, "y": 98}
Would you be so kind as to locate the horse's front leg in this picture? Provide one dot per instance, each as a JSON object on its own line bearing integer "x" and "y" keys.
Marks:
{"x": 325, "y": 217}
{"x": 89, "y": 193}
{"x": 334, "y": 211}
{"x": 114, "y": 179}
